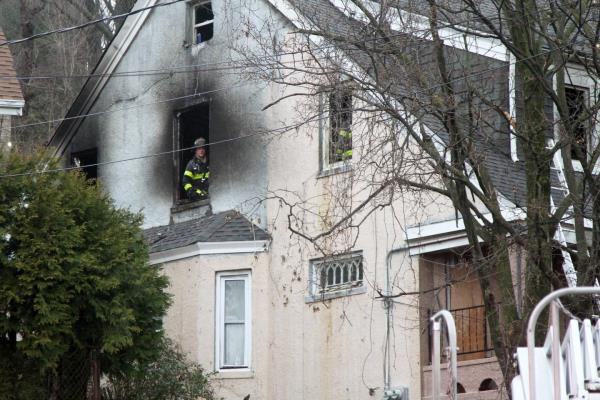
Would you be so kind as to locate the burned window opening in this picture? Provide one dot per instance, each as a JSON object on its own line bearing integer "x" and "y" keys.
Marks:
{"x": 577, "y": 107}
{"x": 203, "y": 22}
{"x": 86, "y": 160}
{"x": 193, "y": 124}
{"x": 340, "y": 124}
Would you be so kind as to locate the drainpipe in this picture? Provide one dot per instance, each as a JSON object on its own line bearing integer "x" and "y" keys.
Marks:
{"x": 388, "y": 303}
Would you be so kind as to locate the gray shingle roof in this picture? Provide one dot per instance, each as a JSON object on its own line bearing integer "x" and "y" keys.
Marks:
{"x": 490, "y": 78}
{"x": 228, "y": 226}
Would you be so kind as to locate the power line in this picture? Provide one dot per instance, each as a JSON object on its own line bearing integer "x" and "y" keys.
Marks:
{"x": 89, "y": 23}
{"x": 124, "y": 108}
{"x": 420, "y": 91}
{"x": 162, "y": 153}
{"x": 194, "y": 67}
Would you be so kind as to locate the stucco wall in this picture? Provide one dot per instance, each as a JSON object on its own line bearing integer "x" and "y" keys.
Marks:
{"x": 190, "y": 321}
{"x": 138, "y": 116}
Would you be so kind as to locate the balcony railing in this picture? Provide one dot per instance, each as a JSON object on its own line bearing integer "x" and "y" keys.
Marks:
{"x": 471, "y": 330}
{"x": 472, "y": 333}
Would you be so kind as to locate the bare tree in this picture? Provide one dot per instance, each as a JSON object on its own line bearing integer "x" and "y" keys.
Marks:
{"x": 507, "y": 142}
{"x": 53, "y": 69}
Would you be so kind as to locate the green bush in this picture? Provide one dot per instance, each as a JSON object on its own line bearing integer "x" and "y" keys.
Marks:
{"x": 170, "y": 377}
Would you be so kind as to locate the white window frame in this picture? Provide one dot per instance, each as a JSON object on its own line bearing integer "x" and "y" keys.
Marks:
{"x": 328, "y": 167}
{"x": 194, "y": 25}
{"x": 221, "y": 278}
{"x": 575, "y": 77}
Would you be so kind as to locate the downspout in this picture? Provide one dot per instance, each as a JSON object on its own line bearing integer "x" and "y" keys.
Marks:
{"x": 388, "y": 304}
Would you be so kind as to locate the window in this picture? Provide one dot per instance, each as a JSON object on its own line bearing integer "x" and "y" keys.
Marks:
{"x": 87, "y": 160}
{"x": 192, "y": 123}
{"x": 577, "y": 107}
{"x": 203, "y": 22}
{"x": 340, "y": 126}
{"x": 233, "y": 333}
{"x": 339, "y": 274}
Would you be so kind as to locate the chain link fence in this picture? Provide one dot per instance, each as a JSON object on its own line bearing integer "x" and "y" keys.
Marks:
{"x": 77, "y": 377}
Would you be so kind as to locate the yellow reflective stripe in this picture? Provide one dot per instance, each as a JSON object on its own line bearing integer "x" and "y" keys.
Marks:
{"x": 197, "y": 176}
{"x": 202, "y": 192}
{"x": 345, "y": 134}
{"x": 188, "y": 173}
{"x": 187, "y": 186}
{"x": 207, "y": 174}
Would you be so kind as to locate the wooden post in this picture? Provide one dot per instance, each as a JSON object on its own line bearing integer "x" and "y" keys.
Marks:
{"x": 95, "y": 372}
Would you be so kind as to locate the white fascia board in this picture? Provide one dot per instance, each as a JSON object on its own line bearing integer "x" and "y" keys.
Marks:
{"x": 439, "y": 245}
{"x": 204, "y": 248}
{"x": 474, "y": 42}
{"x": 11, "y": 107}
{"x": 106, "y": 73}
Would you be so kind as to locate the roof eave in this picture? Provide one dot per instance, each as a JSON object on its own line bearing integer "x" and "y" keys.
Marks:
{"x": 11, "y": 107}
{"x": 93, "y": 87}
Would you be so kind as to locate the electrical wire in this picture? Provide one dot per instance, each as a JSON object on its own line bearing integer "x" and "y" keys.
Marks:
{"x": 194, "y": 67}
{"x": 144, "y": 156}
{"x": 414, "y": 93}
{"x": 88, "y": 23}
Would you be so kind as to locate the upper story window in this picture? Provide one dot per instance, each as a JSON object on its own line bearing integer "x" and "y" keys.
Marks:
{"x": 192, "y": 163}
{"x": 202, "y": 22}
{"x": 233, "y": 330}
{"x": 577, "y": 104}
{"x": 87, "y": 160}
{"x": 336, "y": 276}
{"x": 340, "y": 126}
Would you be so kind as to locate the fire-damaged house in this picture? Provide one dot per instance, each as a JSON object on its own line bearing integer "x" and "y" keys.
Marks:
{"x": 274, "y": 315}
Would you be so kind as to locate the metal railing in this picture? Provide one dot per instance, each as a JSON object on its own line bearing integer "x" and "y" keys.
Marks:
{"x": 471, "y": 331}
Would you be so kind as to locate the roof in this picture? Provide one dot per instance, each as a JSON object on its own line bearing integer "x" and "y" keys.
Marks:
{"x": 228, "y": 226}
{"x": 10, "y": 89}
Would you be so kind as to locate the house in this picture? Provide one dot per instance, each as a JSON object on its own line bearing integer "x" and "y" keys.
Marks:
{"x": 11, "y": 96}
{"x": 276, "y": 316}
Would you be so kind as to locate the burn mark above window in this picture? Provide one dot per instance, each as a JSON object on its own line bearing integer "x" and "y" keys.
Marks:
{"x": 203, "y": 22}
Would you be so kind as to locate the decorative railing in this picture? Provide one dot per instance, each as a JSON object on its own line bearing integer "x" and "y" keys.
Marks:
{"x": 472, "y": 335}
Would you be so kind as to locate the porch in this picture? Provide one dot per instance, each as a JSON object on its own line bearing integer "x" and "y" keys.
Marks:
{"x": 448, "y": 281}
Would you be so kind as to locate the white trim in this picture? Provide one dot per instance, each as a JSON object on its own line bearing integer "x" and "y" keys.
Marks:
{"x": 108, "y": 64}
{"x": 456, "y": 38}
{"x": 512, "y": 104}
{"x": 11, "y": 107}
{"x": 221, "y": 278}
{"x": 200, "y": 248}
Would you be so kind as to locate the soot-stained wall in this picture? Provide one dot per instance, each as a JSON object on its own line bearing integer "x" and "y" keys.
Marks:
{"x": 138, "y": 117}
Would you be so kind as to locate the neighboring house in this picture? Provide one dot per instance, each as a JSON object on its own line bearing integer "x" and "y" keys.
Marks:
{"x": 275, "y": 319}
{"x": 11, "y": 96}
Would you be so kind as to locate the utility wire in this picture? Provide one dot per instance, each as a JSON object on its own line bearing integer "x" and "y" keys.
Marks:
{"x": 89, "y": 23}
{"x": 413, "y": 93}
{"x": 108, "y": 111}
{"x": 282, "y": 130}
{"x": 194, "y": 67}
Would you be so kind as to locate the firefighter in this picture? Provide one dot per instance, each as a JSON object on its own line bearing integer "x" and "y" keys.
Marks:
{"x": 197, "y": 173}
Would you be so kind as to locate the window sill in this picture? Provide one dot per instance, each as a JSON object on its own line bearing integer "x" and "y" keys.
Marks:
{"x": 335, "y": 169}
{"x": 242, "y": 373}
{"x": 335, "y": 295}
{"x": 188, "y": 205}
